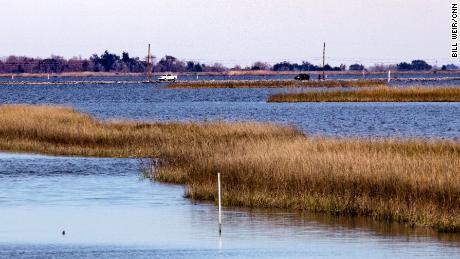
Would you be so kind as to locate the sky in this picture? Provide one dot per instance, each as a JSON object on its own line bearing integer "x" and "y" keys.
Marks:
{"x": 232, "y": 31}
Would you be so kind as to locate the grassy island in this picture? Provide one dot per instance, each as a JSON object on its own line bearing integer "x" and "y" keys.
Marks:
{"x": 275, "y": 84}
{"x": 416, "y": 182}
{"x": 380, "y": 94}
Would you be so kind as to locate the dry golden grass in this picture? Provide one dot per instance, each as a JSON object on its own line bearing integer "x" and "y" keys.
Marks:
{"x": 381, "y": 94}
{"x": 412, "y": 181}
{"x": 275, "y": 84}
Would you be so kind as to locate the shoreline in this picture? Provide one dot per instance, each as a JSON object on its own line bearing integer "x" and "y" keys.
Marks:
{"x": 414, "y": 182}
{"x": 235, "y": 83}
{"x": 275, "y": 84}
{"x": 225, "y": 73}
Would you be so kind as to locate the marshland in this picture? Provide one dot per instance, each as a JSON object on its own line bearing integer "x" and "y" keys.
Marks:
{"x": 226, "y": 129}
{"x": 117, "y": 124}
{"x": 381, "y": 94}
{"x": 275, "y": 84}
{"x": 408, "y": 181}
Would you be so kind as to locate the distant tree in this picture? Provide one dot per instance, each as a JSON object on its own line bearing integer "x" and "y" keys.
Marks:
{"x": 170, "y": 64}
{"x": 404, "y": 66}
{"x": 356, "y": 67}
{"x": 121, "y": 66}
{"x": 194, "y": 67}
{"x": 216, "y": 67}
{"x": 382, "y": 67}
{"x": 56, "y": 64}
{"x": 108, "y": 60}
{"x": 74, "y": 65}
{"x": 129, "y": 64}
{"x": 87, "y": 65}
{"x": 19, "y": 69}
{"x": 328, "y": 67}
{"x": 53, "y": 64}
{"x": 414, "y": 65}
{"x": 10, "y": 64}
{"x": 449, "y": 67}
{"x": 29, "y": 65}
{"x": 420, "y": 65}
{"x": 236, "y": 68}
{"x": 285, "y": 66}
{"x": 125, "y": 57}
{"x": 138, "y": 66}
{"x": 261, "y": 66}
{"x": 95, "y": 60}
{"x": 105, "y": 62}
{"x": 305, "y": 66}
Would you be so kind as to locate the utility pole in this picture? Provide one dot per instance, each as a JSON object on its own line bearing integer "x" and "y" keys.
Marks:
{"x": 324, "y": 57}
{"x": 149, "y": 66}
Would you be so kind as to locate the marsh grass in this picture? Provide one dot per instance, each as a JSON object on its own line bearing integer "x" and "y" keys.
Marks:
{"x": 274, "y": 84}
{"x": 380, "y": 94}
{"x": 411, "y": 181}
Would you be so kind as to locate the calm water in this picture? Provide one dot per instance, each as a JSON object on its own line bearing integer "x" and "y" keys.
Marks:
{"x": 238, "y": 77}
{"x": 108, "y": 210}
{"x": 153, "y": 102}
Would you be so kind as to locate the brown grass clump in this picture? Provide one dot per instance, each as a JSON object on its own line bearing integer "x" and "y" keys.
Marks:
{"x": 275, "y": 84}
{"x": 412, "y": 181}
{"x": 63, "y": 131}
{"x": 383, "y": 94}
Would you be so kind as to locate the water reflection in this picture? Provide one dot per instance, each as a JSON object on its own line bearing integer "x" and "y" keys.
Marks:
{"x": 107, "y": 209}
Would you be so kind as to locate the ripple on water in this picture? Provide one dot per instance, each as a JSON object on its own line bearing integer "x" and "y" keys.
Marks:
{"x": 110, "y": 211}
{"x": 147, "y": 102}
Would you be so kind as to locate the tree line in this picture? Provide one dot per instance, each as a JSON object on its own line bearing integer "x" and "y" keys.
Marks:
{"x": 106, "y": 62}
{"x": 110, "y": 62}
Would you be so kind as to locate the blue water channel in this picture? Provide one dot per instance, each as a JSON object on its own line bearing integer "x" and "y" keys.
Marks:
{"x": 109, "y": 210}
{"x": 157, "y": 103}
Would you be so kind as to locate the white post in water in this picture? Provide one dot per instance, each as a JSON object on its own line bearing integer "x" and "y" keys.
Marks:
{"x": 220, "y": 203}
{"x": 12, "y": 77}
{"x": 389, "y": 76}
{"x": 48, "y": 76}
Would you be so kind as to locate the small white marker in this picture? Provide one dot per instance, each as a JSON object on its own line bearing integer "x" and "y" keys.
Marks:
{"x": 220, "y": 203}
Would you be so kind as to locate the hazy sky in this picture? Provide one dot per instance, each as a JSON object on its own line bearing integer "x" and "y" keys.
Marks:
{"x": 232, "y": 31}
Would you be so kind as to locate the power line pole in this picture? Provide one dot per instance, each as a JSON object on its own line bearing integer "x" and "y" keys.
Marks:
{"x": 324, "y": 57}
{"x": 149, "y": 65}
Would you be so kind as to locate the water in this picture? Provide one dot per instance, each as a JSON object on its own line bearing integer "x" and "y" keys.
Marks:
{"x": 237, "y": 77}
{"x": 155, "y": 103}
{"x": 108, "y": 210}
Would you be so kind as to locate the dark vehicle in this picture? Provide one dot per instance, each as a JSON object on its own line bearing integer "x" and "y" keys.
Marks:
{"x": 302, "y": 77}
